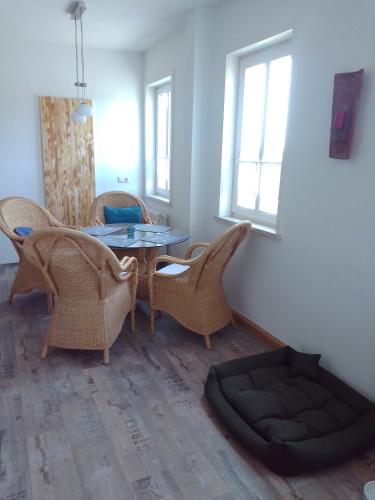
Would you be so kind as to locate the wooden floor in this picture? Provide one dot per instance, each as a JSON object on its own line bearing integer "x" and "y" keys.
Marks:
{"x": 71, "y": 428}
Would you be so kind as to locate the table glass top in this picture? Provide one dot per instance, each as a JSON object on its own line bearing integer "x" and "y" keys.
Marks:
{"x": 145, "y": 235}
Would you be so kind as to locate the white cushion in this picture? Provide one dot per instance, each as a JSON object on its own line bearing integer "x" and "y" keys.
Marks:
{"x": 173, "y": 269}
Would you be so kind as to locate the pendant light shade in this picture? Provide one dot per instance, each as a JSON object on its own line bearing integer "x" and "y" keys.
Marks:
{"x": 84, "y": 109}
{"x": 77, "y": 118}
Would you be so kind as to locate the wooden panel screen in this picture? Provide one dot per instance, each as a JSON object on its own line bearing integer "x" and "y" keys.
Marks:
{"x": 68, "y": 155}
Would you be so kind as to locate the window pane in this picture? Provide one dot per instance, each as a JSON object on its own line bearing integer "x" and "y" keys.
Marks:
{"x": 269, "y": 188}
{"x": 163, "y": 124}
{"x": 162, "y": 174}
{"x": 247, "y": 185}
{"x": 253, "y": 112}
{"x": 163, "y": 141}
{"x": 277, "y": 108}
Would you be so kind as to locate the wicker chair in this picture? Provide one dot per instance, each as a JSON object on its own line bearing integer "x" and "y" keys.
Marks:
{"x": 93, "y": 291}
{"x": 15, "y": 212}
{"x": 191, "y": 290}
{"x": 117, "y": 199}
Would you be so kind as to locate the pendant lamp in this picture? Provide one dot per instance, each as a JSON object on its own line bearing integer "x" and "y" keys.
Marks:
{"x": 83, "y": 109}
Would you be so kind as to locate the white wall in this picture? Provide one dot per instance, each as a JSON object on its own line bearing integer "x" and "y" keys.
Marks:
{"x": 184, "y": 54}
{"x": 200, "y": 24}
{"x": 315, "y": 287}
{"x": 174, "y": 56}
{"x": 115, "y": 82}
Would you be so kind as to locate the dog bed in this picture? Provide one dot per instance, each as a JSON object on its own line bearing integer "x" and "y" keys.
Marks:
{"x": 289, "y": 412}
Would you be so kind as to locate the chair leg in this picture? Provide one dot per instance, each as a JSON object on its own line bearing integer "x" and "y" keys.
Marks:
{"x": 132, "y": 319}
{"x": 10, "y": 297}
{"x": 106, "y": 356}
{"x": 207, "y": 341}
{"x": 152, "y": 321}
{"x": 49, "y": 303}
{"x": 44, "y": 351}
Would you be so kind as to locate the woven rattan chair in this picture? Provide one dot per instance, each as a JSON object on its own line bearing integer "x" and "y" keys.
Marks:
{"x": 15, "y": 212}
{"x": 93, "y": 291}
{"x": 117, "y": 199}
{"x": 191, "y": 290}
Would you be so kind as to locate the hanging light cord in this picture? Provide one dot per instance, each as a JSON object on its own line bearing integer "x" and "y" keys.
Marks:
{"x": 76, "y": 47}
{"x": 83, "y": 109}
{"x": 82, "y": 60}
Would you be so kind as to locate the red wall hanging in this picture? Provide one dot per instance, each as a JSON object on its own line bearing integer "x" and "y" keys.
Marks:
{"x": 346, "y": 91}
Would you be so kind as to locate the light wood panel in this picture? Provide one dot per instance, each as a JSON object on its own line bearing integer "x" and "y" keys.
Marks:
{"x": 68, "y": 155}
{"x": 72, "y": 428}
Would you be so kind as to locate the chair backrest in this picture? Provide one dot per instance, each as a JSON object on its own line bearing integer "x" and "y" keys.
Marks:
{"x": 18, "y": 211}
{"x": 117, "y": 199}
{"x": 75, "y": 265}
{"x": 210, "y": 265}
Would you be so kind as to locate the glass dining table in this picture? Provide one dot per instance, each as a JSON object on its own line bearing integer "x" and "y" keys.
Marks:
{"x": 143, "y": 244}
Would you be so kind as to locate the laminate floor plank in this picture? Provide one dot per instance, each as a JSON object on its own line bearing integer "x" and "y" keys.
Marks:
{"x": 190, "y": 469}
{"x": 54, "y": 474}
{"x": 14, "y": 463}
{"x": 139, "y": 429}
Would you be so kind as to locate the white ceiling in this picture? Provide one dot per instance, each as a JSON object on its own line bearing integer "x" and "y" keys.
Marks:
{"x": 110, "y": 24}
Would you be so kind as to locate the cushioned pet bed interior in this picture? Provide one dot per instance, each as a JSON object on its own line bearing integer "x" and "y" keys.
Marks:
{"x": 289, "y": 412}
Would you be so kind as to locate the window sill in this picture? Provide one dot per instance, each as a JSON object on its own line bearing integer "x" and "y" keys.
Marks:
{"x": 257, "y": 228}
{"x": 159, "y": 199}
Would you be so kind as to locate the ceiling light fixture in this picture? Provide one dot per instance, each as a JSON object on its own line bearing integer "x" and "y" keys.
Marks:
{"x": 83, "y": 109}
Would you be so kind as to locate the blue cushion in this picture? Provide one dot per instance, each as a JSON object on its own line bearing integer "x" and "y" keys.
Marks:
{"x": 23, "y": 230}
{"x": 128, "y": 215}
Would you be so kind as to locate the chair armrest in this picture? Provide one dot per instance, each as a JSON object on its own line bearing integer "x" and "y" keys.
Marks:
{"x": 126, "y": 268}
{"x": 11, "y": 234}
{"x": 191, "y": 249}
{"x": 170, "y": 260}
{"x": 17, "y": 238}
{"x": 55, "y": 222}
{"x": 124, "y": 262}
{"x": 128, "y": 264}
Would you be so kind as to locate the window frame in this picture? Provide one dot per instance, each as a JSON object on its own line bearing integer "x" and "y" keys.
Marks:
{"x": 150, "y": 137}
{"x": 160, "y": 89}
{"x": 246, "y": 60}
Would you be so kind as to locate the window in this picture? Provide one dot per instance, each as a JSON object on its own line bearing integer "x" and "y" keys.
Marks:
{"x": 163, "y": 140}
{"x": 158, "y": 138}
{"x": 259, "y": 87}
{"x": 260, "y": 138}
